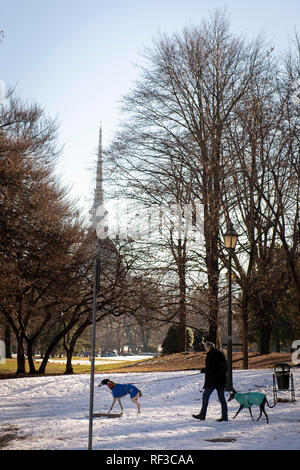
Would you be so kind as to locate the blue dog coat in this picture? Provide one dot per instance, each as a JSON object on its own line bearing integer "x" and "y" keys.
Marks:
{"x": 120, "y": 390}
{"x": 249, "y": 399}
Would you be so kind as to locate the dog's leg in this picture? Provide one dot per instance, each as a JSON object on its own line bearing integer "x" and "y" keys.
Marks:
{"x": 250, "y": 413}
{"x": 135, "y": 400}
{"x": 262, "y": 410}
{"x": 112, "y": 405}
{"x": 120, "y": 403}
{"x": 138, "y": 407}
{"x": 138, "y": 404}
{"x": 240, "y": 408}
{"x": 259, "y": 414}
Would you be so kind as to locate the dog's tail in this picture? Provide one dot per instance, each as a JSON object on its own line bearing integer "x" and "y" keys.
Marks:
{"x": 270, "y": 406}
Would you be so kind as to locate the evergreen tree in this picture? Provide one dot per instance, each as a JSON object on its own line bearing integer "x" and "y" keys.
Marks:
{"x": 171, "y": 343}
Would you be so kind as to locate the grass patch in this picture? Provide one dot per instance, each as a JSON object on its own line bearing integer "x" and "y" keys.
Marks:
{"x": 59, "y": 367}
{"x": 9, "y": 367}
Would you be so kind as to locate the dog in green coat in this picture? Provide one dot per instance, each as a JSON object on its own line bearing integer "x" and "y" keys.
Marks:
{"x": 246, "y": 400}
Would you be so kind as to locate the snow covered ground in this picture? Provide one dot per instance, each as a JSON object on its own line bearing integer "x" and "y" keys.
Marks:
{"x": 51, "y": 413}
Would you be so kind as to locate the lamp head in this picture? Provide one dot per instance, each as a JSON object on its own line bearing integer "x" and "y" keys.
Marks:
{"x": 230, "y": 237}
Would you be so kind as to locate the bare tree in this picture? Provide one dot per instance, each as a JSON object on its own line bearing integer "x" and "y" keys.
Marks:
{"x": 177, "y": 115}
{"x": 263, "y": 197}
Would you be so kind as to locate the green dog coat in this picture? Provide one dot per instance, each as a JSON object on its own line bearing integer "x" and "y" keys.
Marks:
{"x": 249, "y": 399}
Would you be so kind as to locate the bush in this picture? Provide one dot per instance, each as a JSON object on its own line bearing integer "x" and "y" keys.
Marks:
{"x": 170, "y": 344}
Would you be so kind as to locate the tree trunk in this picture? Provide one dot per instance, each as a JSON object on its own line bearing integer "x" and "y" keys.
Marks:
{"x": 245, "y": 330}
{"x": 20, "y": 356}
{"x": 69, "y": 368}
{"x": 182, "y": 316}
{"x": 245, "y": 340}
{"x": 70, "y": 349}
{"x": 7, "y": 340}
{"x": 265, "y": 337}
{"x": 277, "y": 340}
{"x": 213, "y": 311}
{"x": 32, "y": 369}
{"x": 212, "y": 264}
{"x": 54, "y": 342}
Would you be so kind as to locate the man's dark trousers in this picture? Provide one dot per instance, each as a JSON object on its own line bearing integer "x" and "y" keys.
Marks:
{"x": 205, "y": 399}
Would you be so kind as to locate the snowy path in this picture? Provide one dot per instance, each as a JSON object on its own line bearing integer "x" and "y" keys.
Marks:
{"x": 52, "y": 413}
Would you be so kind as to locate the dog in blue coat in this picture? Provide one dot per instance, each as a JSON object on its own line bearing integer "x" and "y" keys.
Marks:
{"x": 120, "y": 391}
{"x": 246, "y": 400}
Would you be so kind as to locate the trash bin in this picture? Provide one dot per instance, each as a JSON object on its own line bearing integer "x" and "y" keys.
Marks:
{"x": 282, "y": 374}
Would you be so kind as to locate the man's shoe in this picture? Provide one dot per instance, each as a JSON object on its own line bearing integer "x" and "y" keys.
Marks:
{"x": 198, "y": 417}
{"x": 222, "y": 419}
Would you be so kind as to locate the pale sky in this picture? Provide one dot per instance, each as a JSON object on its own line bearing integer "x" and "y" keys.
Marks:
{"x": 76, "y": 59}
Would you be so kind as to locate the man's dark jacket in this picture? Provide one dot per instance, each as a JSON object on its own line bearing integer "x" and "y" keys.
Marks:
{"x": 215, "y": 369}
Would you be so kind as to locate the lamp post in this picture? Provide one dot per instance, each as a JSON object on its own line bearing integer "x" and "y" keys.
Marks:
{"x": 230, "y": 239}
{"x": 93, "y": 348}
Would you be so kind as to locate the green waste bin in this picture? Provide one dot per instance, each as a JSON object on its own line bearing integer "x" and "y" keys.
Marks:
{"x": 282, "y": 374}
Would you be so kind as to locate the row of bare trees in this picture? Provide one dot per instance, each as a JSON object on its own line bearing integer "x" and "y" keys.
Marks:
{"x": 213, "y": 120}
{"x": 47, "y": 250}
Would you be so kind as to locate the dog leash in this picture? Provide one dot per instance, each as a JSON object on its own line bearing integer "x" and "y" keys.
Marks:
{"x": 169, "y": 378}
{"x": 161, "y": 380}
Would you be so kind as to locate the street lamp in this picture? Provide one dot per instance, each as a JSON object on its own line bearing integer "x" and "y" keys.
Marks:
{"x": 230, "y": 240}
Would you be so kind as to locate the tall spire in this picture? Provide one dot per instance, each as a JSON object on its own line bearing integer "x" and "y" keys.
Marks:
{"x": 98, "y": 192}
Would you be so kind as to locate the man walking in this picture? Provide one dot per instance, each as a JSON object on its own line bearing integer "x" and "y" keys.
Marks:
{"x": 215, "y": 379}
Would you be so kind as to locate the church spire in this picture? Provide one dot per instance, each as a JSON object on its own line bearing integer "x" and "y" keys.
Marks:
{"x": 98, "y": 192}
